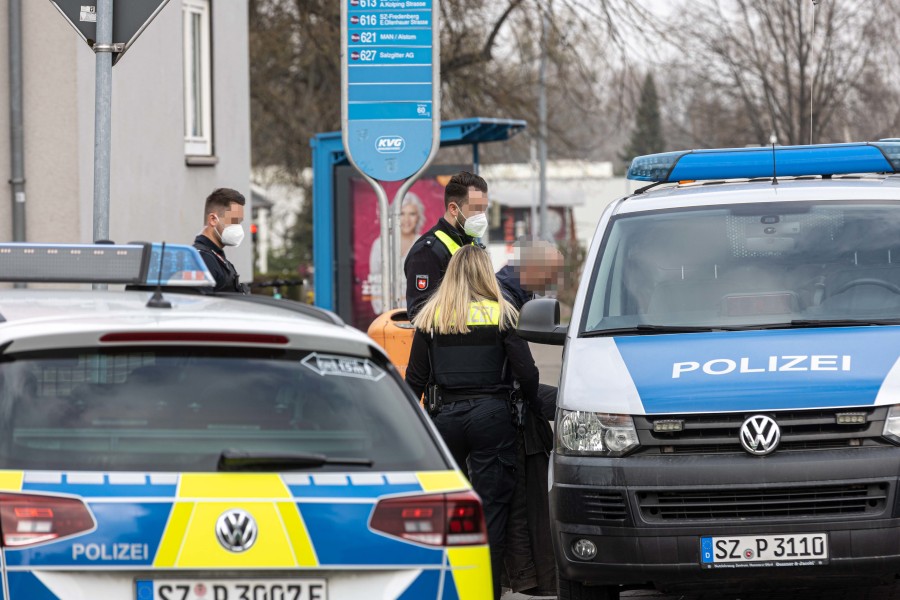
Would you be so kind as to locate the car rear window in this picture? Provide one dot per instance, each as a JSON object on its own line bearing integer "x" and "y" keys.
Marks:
{"x": 165, "y": 409}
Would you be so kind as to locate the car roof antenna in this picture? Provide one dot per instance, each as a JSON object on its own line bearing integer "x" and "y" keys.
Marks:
{"x": 157, "y": 300}
{"x": 773, "y": 139}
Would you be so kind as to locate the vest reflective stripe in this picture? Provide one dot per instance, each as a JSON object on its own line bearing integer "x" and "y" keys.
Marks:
{"x": 486, "y": 312}
{"x": 451, "y": 245}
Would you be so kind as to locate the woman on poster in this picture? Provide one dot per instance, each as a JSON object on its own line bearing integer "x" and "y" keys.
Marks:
{"x": 412, "y": 221}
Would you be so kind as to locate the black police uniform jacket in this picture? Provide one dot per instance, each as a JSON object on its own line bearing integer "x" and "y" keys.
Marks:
{"x": 427, "y": 262}
{"x": 478, "y": 364}
{"x": 226, "y": 276}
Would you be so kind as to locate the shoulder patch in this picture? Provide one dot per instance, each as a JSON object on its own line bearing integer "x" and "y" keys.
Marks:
{"x": 421, "y": 282}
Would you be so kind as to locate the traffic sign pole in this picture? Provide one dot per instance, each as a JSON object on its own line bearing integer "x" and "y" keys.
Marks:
{"x": 102, "y": 118}
{"x": 94, "y": 23}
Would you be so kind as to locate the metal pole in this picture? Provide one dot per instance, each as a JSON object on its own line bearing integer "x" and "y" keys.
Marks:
{"x": 16, "y": 121}
{"x": 542, "y": 125}
{"x": 535, "y": 194}
{"x": 398, "y": 294}
{"x": 102, "y": 118}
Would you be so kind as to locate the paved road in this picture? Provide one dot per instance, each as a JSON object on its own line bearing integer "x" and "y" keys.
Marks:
{"x": 549, "y": 362}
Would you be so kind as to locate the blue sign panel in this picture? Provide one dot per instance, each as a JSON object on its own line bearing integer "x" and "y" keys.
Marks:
{"x": 389, "y": 86}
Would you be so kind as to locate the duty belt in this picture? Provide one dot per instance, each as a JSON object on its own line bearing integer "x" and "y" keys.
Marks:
{"x": 450, "y": 398}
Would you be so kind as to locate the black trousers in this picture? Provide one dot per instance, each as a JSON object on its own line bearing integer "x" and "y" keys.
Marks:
{"x": 530, "y": 564}
{"x": 481, "y": 436}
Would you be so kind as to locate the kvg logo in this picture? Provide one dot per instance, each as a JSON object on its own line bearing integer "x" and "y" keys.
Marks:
{"x": 390, "y": 144}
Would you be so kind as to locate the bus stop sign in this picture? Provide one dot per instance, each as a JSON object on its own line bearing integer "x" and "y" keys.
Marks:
{"x": 390, "y": 85}
{"x": 130, "y": 18}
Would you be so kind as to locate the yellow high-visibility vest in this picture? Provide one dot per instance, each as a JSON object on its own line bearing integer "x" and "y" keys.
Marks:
{"x": 448, "y": 241}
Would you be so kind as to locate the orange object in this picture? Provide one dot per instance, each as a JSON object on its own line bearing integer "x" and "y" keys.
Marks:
{"x": 393, "y": 332}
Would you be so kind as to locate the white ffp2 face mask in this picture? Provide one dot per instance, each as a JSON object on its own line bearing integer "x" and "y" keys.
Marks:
{"x": 476, "y": 225}
{"x": 232, "y": 235}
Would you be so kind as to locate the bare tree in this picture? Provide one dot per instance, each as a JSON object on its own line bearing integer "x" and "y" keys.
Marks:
{"x": 788, "y": 67}
{"x": 488, "y": 66}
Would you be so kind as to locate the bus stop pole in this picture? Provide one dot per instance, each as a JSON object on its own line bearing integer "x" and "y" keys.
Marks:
{"x": 398, "y": 293}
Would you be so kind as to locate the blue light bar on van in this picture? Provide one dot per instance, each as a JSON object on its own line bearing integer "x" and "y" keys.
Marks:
{"x": 134, "y": 264}
{"x": 784, "y": 161}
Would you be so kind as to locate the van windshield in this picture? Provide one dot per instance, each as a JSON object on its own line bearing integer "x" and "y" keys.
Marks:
{"x": 179, "y": 409}
{"x": 748, "y": 266}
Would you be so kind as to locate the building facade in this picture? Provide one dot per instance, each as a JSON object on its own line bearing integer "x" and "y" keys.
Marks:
{"x": 180, "y": 125}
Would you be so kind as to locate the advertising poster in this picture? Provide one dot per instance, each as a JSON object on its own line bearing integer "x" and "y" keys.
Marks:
{"x": 422, "y": 207}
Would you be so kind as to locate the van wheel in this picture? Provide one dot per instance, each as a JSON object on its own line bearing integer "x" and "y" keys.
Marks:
{"x": 572, "y": 590}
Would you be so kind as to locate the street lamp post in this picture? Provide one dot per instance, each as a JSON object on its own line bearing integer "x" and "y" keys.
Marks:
{"x": 542, "y": 126}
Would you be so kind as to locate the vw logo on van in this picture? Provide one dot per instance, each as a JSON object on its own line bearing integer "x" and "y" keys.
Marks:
{"x": 236, "y": 530}
{"x": 760, "y": 435}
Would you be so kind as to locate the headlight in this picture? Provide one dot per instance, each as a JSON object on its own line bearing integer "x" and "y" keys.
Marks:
{"x": 599, "y": 434}
{"x": 892, "y": 424}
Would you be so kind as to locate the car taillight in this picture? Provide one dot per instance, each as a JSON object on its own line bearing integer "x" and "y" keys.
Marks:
{"x": 436, "y": 520}
{"x": 27, "y": 519}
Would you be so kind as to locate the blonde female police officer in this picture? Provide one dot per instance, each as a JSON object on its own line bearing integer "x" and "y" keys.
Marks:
{"x": 465, "y": 344}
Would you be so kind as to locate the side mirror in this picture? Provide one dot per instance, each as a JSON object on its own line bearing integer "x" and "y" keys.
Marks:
{"x": 539, "y": 322}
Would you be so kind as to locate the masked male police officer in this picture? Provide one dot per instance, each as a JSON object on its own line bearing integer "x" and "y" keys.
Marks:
{"x": 223, "y": 214}
{"x": 465, "y": 203}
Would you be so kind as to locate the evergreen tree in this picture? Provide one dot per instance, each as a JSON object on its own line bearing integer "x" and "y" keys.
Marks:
{"x": 647, "y": 136}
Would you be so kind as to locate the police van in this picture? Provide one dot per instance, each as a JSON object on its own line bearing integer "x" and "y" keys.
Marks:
{"x": 157, "y": 443}
{"x": 729, "y": 404}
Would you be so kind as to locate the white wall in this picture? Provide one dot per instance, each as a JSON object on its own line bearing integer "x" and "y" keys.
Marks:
{"x": 154, "y": 195}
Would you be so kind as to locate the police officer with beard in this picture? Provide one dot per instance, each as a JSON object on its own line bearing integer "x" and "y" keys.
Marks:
{"x": 464, "y": 220}
{"x": 465, "y": 355}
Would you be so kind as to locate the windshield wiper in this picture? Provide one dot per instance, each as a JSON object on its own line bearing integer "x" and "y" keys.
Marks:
{"x": 239, "y": 460}
{"x": 839, "y": 322}
{"x": 647, "y": 328}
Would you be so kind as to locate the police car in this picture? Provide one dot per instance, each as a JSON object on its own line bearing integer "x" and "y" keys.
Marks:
{"x": 729, "y": 406}
{"x": 158, "y": 444}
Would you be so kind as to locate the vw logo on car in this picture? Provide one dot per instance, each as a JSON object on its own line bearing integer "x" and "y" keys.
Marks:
{"x": 760, "y": 435}
{"x": 236, "y": 530}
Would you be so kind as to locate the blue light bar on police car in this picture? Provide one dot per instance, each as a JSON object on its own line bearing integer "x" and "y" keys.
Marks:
{"x": 181, "y": 266}
{"x": 783, "y": 161}
{"x": 134, "y": 264}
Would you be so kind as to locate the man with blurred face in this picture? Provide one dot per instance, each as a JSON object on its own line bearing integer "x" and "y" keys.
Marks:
{"x": 536, "y": 267}
{"x": 464, "y": 222}
{"x": 529, "y": 559}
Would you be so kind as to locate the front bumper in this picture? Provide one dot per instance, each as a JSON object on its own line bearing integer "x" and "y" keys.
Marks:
{"x": 608, "y": 502}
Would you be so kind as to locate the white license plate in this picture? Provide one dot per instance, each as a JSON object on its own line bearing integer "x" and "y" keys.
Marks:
{"x": 804, "y": 549}
{"x": 231, "y": 589}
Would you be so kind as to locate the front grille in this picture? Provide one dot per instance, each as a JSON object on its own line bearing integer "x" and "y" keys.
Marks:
{"x": 590, "y": 505}
{"x": 730, "y": 504}
{"x": 801, "y": 430}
